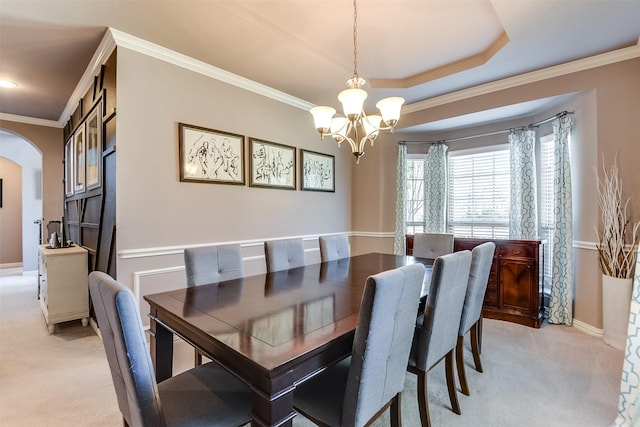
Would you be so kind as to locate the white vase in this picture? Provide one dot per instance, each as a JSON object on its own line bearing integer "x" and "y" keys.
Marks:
{"x": 616, "y": 299}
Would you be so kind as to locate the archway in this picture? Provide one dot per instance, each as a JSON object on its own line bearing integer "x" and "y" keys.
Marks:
{"x": 21, "y": 151}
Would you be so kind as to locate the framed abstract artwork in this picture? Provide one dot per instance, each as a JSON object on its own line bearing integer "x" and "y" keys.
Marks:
{"x": 79, "y": 160}
{"x": 211, "y": 156}
{"x": 93, "y": 147}
{"x": 273, "y": 165}
{"x": 68, "y": 167}
{"x": 317, "y": 171}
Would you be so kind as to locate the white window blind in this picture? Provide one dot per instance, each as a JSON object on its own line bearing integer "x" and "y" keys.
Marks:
{"x": 478, "y": 204}
{"x": 415, "y": 196}
{"x": 547, "y": 221}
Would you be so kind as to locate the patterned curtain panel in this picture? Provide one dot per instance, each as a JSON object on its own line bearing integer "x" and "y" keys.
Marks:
{"x": 399, "y": 243}
{"x": 629, "y": 404}
{"x": 560, "y": 303}
{"x": 523, "y": 215}
{"x": 435, "y": 189}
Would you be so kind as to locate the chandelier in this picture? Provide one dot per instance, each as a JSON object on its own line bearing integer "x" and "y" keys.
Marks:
{"x": 356, "y": 127}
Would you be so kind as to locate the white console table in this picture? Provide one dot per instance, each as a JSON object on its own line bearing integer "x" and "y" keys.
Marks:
{"x": 64, "y": 285}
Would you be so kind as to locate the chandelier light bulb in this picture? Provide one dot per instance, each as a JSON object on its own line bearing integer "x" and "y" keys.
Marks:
{"x": 371, "y": 126}
{"x": 322, "y": 118}
{"x": 339, "y": 127}
{"x": 352, "y": 101}
{"x": 390, "y": 109}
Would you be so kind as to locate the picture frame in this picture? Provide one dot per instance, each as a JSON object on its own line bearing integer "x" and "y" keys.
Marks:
{"x": 273, "y": 165}
{"x": 210, "y": 156}
{"x": 79, "y": 160}
{"x": 93, "y": 142}
{"x": 317, "y": 171}
{"x": 69, "y": 160}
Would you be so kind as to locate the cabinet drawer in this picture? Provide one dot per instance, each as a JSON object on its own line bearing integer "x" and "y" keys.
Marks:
{"x": 519, "y": 251}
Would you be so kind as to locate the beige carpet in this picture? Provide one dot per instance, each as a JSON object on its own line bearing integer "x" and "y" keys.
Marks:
{"x": 553, "y": 376}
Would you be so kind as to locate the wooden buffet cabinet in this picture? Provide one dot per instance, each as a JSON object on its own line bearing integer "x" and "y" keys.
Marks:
{"x": 514, "y": 291}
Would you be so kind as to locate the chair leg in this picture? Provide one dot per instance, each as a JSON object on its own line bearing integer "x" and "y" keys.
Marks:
{"x": 423, "y": 401}
{"x": 479, "y": 323}
{"x": 396, "y": 412}
{"x": 462, "y": 376}
{"x": 475, "y": 347}
{"x": 197, "y": 358}
{"x": 451, "y": 382}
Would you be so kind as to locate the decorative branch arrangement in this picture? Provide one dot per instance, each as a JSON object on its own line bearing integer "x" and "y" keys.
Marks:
{"x": 616, "y": 259}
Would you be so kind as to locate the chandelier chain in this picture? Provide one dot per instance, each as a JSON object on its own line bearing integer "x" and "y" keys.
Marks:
{"x": 355, "y": 39}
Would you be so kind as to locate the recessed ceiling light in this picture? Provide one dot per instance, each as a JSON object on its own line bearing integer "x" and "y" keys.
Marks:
{"x": 7, "y": 83}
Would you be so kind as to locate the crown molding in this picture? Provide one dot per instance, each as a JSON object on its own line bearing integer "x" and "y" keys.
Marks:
{"x": 172, "y": 57}
{"x": 448, "y": 69}
{"x": 114, "y": 38}
{"x": 531, "y": 77}
{"x": 30, "y": 120}
{"x": 102, "y": 53}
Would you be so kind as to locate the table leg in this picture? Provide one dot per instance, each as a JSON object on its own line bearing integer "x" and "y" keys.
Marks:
{"x": 161, "y": 347}
{"x": 272, "y": 410}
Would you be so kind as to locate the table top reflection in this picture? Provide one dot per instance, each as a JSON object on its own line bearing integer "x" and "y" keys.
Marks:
{"x": 274, "y": 329}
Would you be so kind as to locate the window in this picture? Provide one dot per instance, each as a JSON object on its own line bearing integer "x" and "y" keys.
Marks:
{"x": 546, "y": 205}
{"x": 415, "y": 195}
{"x": 478, "y": 193}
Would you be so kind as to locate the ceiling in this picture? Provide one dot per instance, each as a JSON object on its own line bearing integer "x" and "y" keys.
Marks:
{"x": 418, "y": 49}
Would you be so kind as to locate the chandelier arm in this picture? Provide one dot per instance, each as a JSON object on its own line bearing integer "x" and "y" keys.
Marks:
{"x": 363, "y": 142}
{"x": 354, "y": 146}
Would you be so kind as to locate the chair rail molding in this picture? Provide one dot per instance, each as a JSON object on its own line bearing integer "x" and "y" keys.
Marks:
{"x": 179, "y": 249}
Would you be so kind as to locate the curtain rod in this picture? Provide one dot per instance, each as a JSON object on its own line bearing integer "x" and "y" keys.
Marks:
{"x": 479, "y": 135}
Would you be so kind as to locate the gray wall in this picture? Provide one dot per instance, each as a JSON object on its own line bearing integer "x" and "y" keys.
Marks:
{"x": 157, "y": 215}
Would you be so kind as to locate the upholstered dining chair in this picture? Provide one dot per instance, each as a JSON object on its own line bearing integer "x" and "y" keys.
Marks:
{"x": 205, "y": 395}
{"x": 284, "y": 254}
{"x": 334, "y": 247}
{"x": 471, "y": 319}
{"x": 436, "y": 331}
{"x": 432, "y": 245}
{"x": 360, "y": 388}
{"x": 211, "y": 264}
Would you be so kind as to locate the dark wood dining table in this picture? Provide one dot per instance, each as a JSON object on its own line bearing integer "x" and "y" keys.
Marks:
{"x": 271, "y": 330}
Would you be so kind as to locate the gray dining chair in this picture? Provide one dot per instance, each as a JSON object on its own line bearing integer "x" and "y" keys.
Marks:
{"x": 212, "y": 264}
{"x": 432, "y": 245}
{"x": 471, "y": 319}
{"x": 205, "y": 395}
{"x": 284, "y": 254}
{"x": 436, "y": 330}
{"x": 334, "y": 247}
{"x": 360, "y": 388}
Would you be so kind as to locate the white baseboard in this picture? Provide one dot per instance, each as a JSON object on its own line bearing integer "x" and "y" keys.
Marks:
{"x": 588, "y": 329}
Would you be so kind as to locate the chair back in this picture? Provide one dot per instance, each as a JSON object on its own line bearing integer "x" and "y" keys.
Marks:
{"x": 382, "y": 342}
{"x": 481, "y": 260}
{"x": 126, "y": 347}
{"x": 438, "y": 333}
{"x": 284, "y": 254}
{"x": 432, "y": 245}
{"x": 211, "y": 264}
{"x": 334, "y": 247}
